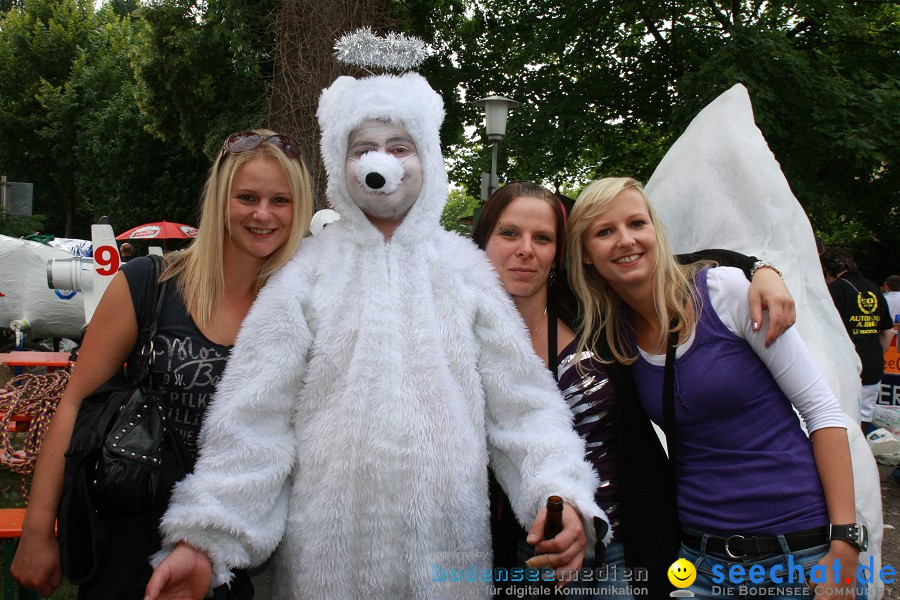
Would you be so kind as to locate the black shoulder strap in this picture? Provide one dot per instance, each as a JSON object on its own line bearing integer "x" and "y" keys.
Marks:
{"x": 159, "y": 300}
{"x": 669, "y": 397}
{"x": 158, "y": 293}
{"x": 552, "y": 350}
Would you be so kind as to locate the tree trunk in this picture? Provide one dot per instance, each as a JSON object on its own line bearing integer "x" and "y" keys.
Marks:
{"x": 305, "y": 65}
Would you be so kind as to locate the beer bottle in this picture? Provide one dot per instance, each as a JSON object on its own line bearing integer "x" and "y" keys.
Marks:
{"x": 553, "y": 525}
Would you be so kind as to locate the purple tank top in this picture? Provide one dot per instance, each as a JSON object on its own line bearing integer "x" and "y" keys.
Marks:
{"x": 744, "y": 463}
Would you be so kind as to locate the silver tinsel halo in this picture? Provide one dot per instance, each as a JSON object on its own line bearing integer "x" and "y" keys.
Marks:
{"x": 395, "y": 51}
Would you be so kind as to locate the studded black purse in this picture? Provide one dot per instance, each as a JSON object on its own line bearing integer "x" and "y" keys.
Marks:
{"x": 114, "y": 460}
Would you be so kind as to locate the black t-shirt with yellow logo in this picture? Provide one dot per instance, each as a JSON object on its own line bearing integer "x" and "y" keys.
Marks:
{"x": 865, "y": 314}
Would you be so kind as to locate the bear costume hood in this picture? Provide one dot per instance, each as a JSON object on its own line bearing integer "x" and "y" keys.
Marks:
{"x": 406, "y": 100}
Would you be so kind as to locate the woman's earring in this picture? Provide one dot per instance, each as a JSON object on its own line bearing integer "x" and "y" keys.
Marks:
{"x": 552, "y": 275}
{"x": 587, "y": 261}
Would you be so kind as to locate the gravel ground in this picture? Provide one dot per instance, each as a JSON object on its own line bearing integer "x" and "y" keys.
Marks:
{"x": 890, "y": 545}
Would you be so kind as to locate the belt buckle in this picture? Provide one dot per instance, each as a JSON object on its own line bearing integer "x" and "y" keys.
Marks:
{"x": 728, "y": 549}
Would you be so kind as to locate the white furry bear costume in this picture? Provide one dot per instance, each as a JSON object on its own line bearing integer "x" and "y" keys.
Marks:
{"x": 369, "y": 386}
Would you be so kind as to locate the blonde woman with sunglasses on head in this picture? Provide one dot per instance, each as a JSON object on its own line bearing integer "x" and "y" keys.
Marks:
{"x": 256, "y": 208}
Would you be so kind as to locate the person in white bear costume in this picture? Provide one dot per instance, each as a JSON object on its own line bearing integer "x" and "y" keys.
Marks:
{"x": 374, "y": 380}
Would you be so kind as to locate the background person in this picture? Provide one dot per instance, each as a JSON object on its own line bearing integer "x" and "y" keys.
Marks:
{"x": 892, "y": 294}
{"x": 867, "y": 319}
{"x": 743, "y": 465}
{"x": 256, "y": 208}
{"x": 126, "y": 251}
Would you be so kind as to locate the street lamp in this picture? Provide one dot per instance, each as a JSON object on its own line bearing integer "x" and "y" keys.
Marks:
{"x": 496, "y": 109}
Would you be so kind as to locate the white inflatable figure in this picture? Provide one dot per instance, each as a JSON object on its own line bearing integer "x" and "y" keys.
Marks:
{"x": 376, "y": 377}
{"x": 719, "y": 186}
{"x": 25, "y": 297}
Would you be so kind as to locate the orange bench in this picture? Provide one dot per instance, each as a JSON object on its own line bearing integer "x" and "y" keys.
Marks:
{"x": 18, "y": 423}
{"x": 10, "y": 532}
{"x": 51, "y": 360}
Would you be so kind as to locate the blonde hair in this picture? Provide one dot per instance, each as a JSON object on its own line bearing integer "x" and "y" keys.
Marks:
{"x": 603, "y": 313}
{"x": 200, "y": 269}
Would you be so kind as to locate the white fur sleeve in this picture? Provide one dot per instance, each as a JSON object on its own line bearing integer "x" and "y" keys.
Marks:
{"x": 234, "y": 505}
{"x": 788, "y": 358}
{"x": 535, "y": 452}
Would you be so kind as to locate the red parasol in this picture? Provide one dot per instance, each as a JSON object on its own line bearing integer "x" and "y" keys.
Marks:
{"x": 160, "y": 230}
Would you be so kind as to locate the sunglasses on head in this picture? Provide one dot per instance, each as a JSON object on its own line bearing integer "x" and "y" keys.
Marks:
{"x": 244, "y": 141}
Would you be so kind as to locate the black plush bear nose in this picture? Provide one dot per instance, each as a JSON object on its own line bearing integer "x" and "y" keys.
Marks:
{"x": 375, "y": 181}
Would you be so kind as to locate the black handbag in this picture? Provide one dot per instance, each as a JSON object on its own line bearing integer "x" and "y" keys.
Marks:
{"x": 126, "y": 476}
{"x": 114, "y": 458}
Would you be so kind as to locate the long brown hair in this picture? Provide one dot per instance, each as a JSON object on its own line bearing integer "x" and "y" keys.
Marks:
{"x": 559, "y": 296}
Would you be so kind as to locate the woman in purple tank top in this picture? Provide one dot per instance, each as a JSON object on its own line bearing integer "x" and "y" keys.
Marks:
{"x": 760, "y": 502}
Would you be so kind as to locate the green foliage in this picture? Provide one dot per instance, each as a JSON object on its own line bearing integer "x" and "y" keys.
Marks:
{"x": 606, "y": 87}
{"x": 20, "y": 225}
{"x": 6, "y": 5}
{"x": 214, "y": 58}
{"x": 538, "y": 53}
{"x": 460, "y": 207}
{"x": 41, "y": 44}
{"x": 116, "y": 111}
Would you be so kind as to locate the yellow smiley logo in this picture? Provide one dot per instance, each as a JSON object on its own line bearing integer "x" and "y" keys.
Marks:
{"x": 682, "y": 573}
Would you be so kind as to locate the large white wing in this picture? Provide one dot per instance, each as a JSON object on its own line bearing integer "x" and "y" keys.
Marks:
{"x": 719, "y": 186}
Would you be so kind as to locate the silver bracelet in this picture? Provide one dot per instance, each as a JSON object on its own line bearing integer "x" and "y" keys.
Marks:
{"x": 760, "y": 264}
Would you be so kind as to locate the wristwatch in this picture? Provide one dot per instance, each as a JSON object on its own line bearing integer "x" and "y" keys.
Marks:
{"x": 854, "y": 533}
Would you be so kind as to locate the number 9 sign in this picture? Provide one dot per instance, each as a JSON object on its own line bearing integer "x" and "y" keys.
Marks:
{"x": 106, "y": 260}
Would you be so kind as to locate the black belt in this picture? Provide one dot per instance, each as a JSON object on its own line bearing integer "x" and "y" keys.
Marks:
{"x": 739, "y": 547}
